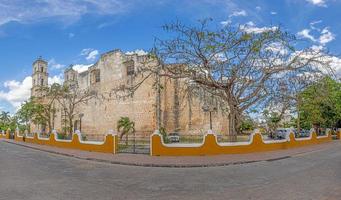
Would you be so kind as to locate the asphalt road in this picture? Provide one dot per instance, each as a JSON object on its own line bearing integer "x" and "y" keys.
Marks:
{"x": 31, "y": 174}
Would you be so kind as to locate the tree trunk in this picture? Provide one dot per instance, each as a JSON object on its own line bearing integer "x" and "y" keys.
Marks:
{"x": 298, "y": 116}
{"x": 53, "y": 120}
{"x": 189, "y": 96}
{"x": 71, "y": 126}
{"x": 49, "y": 124}
{"x": 158, "y": 102}
{"x": 176, "y": 108}
{"x": 233, "y": 125}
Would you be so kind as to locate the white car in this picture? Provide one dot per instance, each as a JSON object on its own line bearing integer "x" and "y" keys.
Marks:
{"x": 174, "y": 137}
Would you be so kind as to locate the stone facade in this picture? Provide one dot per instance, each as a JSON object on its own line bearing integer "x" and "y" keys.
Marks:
{"x": 98, "y": 115}
{"x": 39, "y": 77}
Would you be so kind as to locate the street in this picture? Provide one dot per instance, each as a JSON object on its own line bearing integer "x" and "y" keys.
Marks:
{"x": 31, "y": 174}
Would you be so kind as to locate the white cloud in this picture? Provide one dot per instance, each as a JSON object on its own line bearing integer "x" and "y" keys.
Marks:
{"x": 305, "y": 33}
{"x": 81, "y": 68}
{"x": 317, "y": 47}
{"x": 321, "y": 3}
{"x": 238, "y": 13}
{"x": 313, "y": 23}
{"x": 258, "y": 8}
{"x": 336, "y": 65}
{"x": 250, "y": 27}
{"x": 277, "y": 48}
{"x": 56, "y": 79}
{"x": 225, "y": 23}
{"x": 139, "y": 52}
{"x": 17, "y": 92}
{"x": 90, "y": 54}
{"x": 24, "y": 11}
{"x": 54, "y": 65}
{"x": 326, "y": 36}
{"x": 273, "y": 13}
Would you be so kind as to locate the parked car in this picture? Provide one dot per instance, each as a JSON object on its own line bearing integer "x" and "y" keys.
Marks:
{"x": 304, "y": 133}
{"x": 282, "y": 133}
{"x": 173, "y": 137}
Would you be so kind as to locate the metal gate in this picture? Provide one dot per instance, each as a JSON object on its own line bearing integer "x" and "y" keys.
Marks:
{"x": 134, "y": 143}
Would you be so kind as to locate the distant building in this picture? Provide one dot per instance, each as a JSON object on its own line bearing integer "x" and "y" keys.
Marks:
{"x": 179, "y": 112}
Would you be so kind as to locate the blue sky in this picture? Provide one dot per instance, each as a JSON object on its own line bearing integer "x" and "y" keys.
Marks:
{"x": 76, "y": 32}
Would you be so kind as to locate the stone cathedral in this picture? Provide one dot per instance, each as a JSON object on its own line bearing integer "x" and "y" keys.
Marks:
{"x": 98, "y": 115}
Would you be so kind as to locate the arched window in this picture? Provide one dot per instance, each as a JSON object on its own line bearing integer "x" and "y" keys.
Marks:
{"x": 42, "y": 82}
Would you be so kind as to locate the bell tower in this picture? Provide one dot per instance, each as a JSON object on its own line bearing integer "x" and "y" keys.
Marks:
{"x": 39, "y": 77}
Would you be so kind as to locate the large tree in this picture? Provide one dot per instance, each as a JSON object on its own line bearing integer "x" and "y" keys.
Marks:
{"x": 321, "y": 104}
{"x": 289, "y": 98}
{"x": 69, "y": 99}
{"x": 26, "y": 113}
{"x": 46, "y": 105}
{"x": 241, "y": 68}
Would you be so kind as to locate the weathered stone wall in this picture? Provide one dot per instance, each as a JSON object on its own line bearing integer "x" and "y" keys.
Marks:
{"x": 191, "y": 116}
{"x": 103, "y": 112}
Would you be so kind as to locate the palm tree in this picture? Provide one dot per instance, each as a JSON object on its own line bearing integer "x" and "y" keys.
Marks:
{"x": 5, "y": 120}
{"x": 125, "y": 126}
{"x": 5, "y": 117}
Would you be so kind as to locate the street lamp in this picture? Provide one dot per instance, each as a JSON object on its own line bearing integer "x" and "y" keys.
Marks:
{"x": 80, "y": 121}
{"x": 210, "y": 109}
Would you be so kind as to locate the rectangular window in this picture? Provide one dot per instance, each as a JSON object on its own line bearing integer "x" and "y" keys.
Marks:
{"x": 130, "y": 70}
{"x": 95, "y": 76}
{"x": 98, "y": 76}
{"x": 130, "y": 67}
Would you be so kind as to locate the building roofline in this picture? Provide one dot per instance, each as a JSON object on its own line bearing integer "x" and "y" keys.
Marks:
{"x": 40, "y": 59}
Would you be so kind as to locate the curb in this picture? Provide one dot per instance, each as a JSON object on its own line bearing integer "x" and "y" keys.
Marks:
{"x": 150, "y": 164}
{"x": 142, "y": 164}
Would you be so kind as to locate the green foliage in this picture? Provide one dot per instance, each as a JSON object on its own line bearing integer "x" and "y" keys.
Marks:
{"x": 163, "y": 132}
{"x": 32, "y": 111}
{"x": 7, "y": 121}
{"x": 245, "y": 37}
{"x": 26, "y": 112}
{"x": 61, "y": 136}
{"x": 247, "y": 124}
{"x": 272, "y": 120}
{"x": 84, "y": 138}
{"x": 125, "y": 126}
{"x": 321, "y": 104}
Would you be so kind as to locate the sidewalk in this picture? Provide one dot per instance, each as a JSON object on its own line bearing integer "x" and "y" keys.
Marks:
{"x": 187, "y": 161}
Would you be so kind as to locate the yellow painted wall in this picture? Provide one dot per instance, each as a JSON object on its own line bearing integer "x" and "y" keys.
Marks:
{"x": 109, "y": 146}
{"x": 338, "y": 134}
{"x": 6, "y": 135}
{"x": 210, "y": 145}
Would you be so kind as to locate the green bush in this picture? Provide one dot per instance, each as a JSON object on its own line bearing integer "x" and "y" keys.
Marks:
{"x": 163, "y": 132}
{"x": 61, "y": 136}
{"x": 84, "y": 138}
